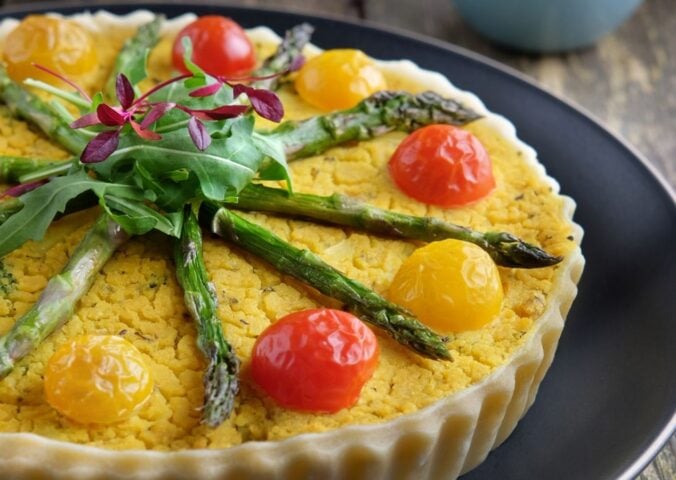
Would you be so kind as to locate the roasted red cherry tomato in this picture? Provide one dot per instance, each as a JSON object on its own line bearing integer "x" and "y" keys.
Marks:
{"x": 315, "y": 360}
{"x": 220, "y": 47}
{"x": 442, "y": 165}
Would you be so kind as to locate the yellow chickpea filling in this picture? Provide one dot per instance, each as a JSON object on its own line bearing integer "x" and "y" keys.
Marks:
{"x": 136, "y": 295}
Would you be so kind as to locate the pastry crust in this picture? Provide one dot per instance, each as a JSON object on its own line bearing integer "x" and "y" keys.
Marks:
{"x": 443, "y": 440}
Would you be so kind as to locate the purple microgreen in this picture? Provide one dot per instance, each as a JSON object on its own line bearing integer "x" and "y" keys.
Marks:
{"x": 124, "y": 91}
{"x": 79, "y": 89}
{"x": 206, "y": 91}
{"x": 198, "y": 133}
{"x": 86, "y": 121}
{"x": 219, "y": 113}
{"x": 156, "y": 112}
{"x": 266, "y": 103}
{"x": 297, "y": 63}
{"x": 143, "y": 133}
{"x": 18, "y": 190}
{"x": 111, "y": 116}
{"x": 101, "y": 146}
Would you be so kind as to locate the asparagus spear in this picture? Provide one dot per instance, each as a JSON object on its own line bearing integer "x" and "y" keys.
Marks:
{"x": 57, "y": 302}
{"x": 8, "y": 207}
{"x": 13, "y": 168}
{"x": 31, "y": 108}
{"x": 285, "y": 57}
{"x": 376, "y": 115}
{"x": 131, "y": 59}
{"x": 504, "y": 248}
{"x": 220, "y": 380}
{"x": 309, "y": 268}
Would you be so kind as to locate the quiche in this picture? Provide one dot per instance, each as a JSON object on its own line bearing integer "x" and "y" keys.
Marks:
{"x": 415, "y": 417}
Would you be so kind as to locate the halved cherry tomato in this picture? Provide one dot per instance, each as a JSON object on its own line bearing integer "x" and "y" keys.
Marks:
{"x": 97, "y": 379}
{"x": 451, "y": 286}
{"x": 338, "y": 79}
{"x": 220, "y": 47}
{"x": 442, "y": 165}
{"x": 52, "y": 42}
{"x": 315, "y": 360}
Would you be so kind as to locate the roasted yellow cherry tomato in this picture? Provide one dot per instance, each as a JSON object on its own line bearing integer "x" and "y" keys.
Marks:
{"x": 55, "y": 43}
{"x": 338, "y": 79}
{"x": 97, "y": 379}
{"x": 451, "y": 286}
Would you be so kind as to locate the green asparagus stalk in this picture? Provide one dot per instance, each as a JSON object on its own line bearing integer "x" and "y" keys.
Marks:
{"x": 57, "y": 302}
{"x": 504, "y": 248}
{"x": 221, "y": 382}
{"x": 131, "y": 59}
{"x": 376, "y": 115}
{"x": 308, "y": 267}
{"x": 12, "y": 169}
{"x": 31, "y": 108}
{"x": 8, "y": 207}
{"x": 285, "y": 57}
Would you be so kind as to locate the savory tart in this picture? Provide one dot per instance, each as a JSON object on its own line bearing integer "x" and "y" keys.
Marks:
{"x": 413, "y": 417}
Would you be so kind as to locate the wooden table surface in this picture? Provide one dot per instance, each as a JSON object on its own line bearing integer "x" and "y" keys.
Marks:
{"x": 627, "y": 80}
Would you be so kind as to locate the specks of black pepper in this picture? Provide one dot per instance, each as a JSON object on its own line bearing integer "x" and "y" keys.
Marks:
{"x": 233, "y": 301}
{"x": 571, "y": 238}
{"x": 152, "y": 285}
{"x": 314, "y": 172}
{"x": 531, "y": 215}
{"x": 122, "y": 332}
{"x": 268, "y": 289}
{"x": 520, "y": 196}
{"x": 329, "y": 159}
{"x": 142, "y": 336}
{"x": 244, "y": 322}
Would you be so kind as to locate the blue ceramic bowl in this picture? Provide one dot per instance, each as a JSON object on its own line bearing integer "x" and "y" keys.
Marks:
{"x": 545, "y": 25}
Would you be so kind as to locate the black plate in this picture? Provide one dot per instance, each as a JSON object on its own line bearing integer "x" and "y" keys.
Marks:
{"x": 607, "y": 404}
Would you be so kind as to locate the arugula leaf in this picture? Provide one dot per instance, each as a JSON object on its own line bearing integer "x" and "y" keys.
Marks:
{"x": 223, "y": 169}
{"x": 171, "y": 190}
{"x": 138, "y": 218}
{"x": 275, "y": 167}
{"x": 43, "y": 204}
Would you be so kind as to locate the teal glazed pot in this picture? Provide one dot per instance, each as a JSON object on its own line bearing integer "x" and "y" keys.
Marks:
{"x": 545, "y": 25}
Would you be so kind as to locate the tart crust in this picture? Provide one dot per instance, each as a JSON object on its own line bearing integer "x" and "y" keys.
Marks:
{"x": 443, "y": 440}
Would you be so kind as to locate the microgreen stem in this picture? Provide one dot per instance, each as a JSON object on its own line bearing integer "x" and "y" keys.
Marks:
{"x": 73, "y": 98}
{"x": 65, "y": 80}
{"x": 61, "y": 111}
{"x": 160, "y": 86}
{"x": 172, "y": 126}
{"x": 52, "y": 170}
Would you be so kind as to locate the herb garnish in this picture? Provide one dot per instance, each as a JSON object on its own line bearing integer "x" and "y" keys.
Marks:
{"x": 151, "y": 154}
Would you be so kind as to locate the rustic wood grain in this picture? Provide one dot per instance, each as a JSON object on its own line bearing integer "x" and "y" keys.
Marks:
{"x": 627, "y": 80}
